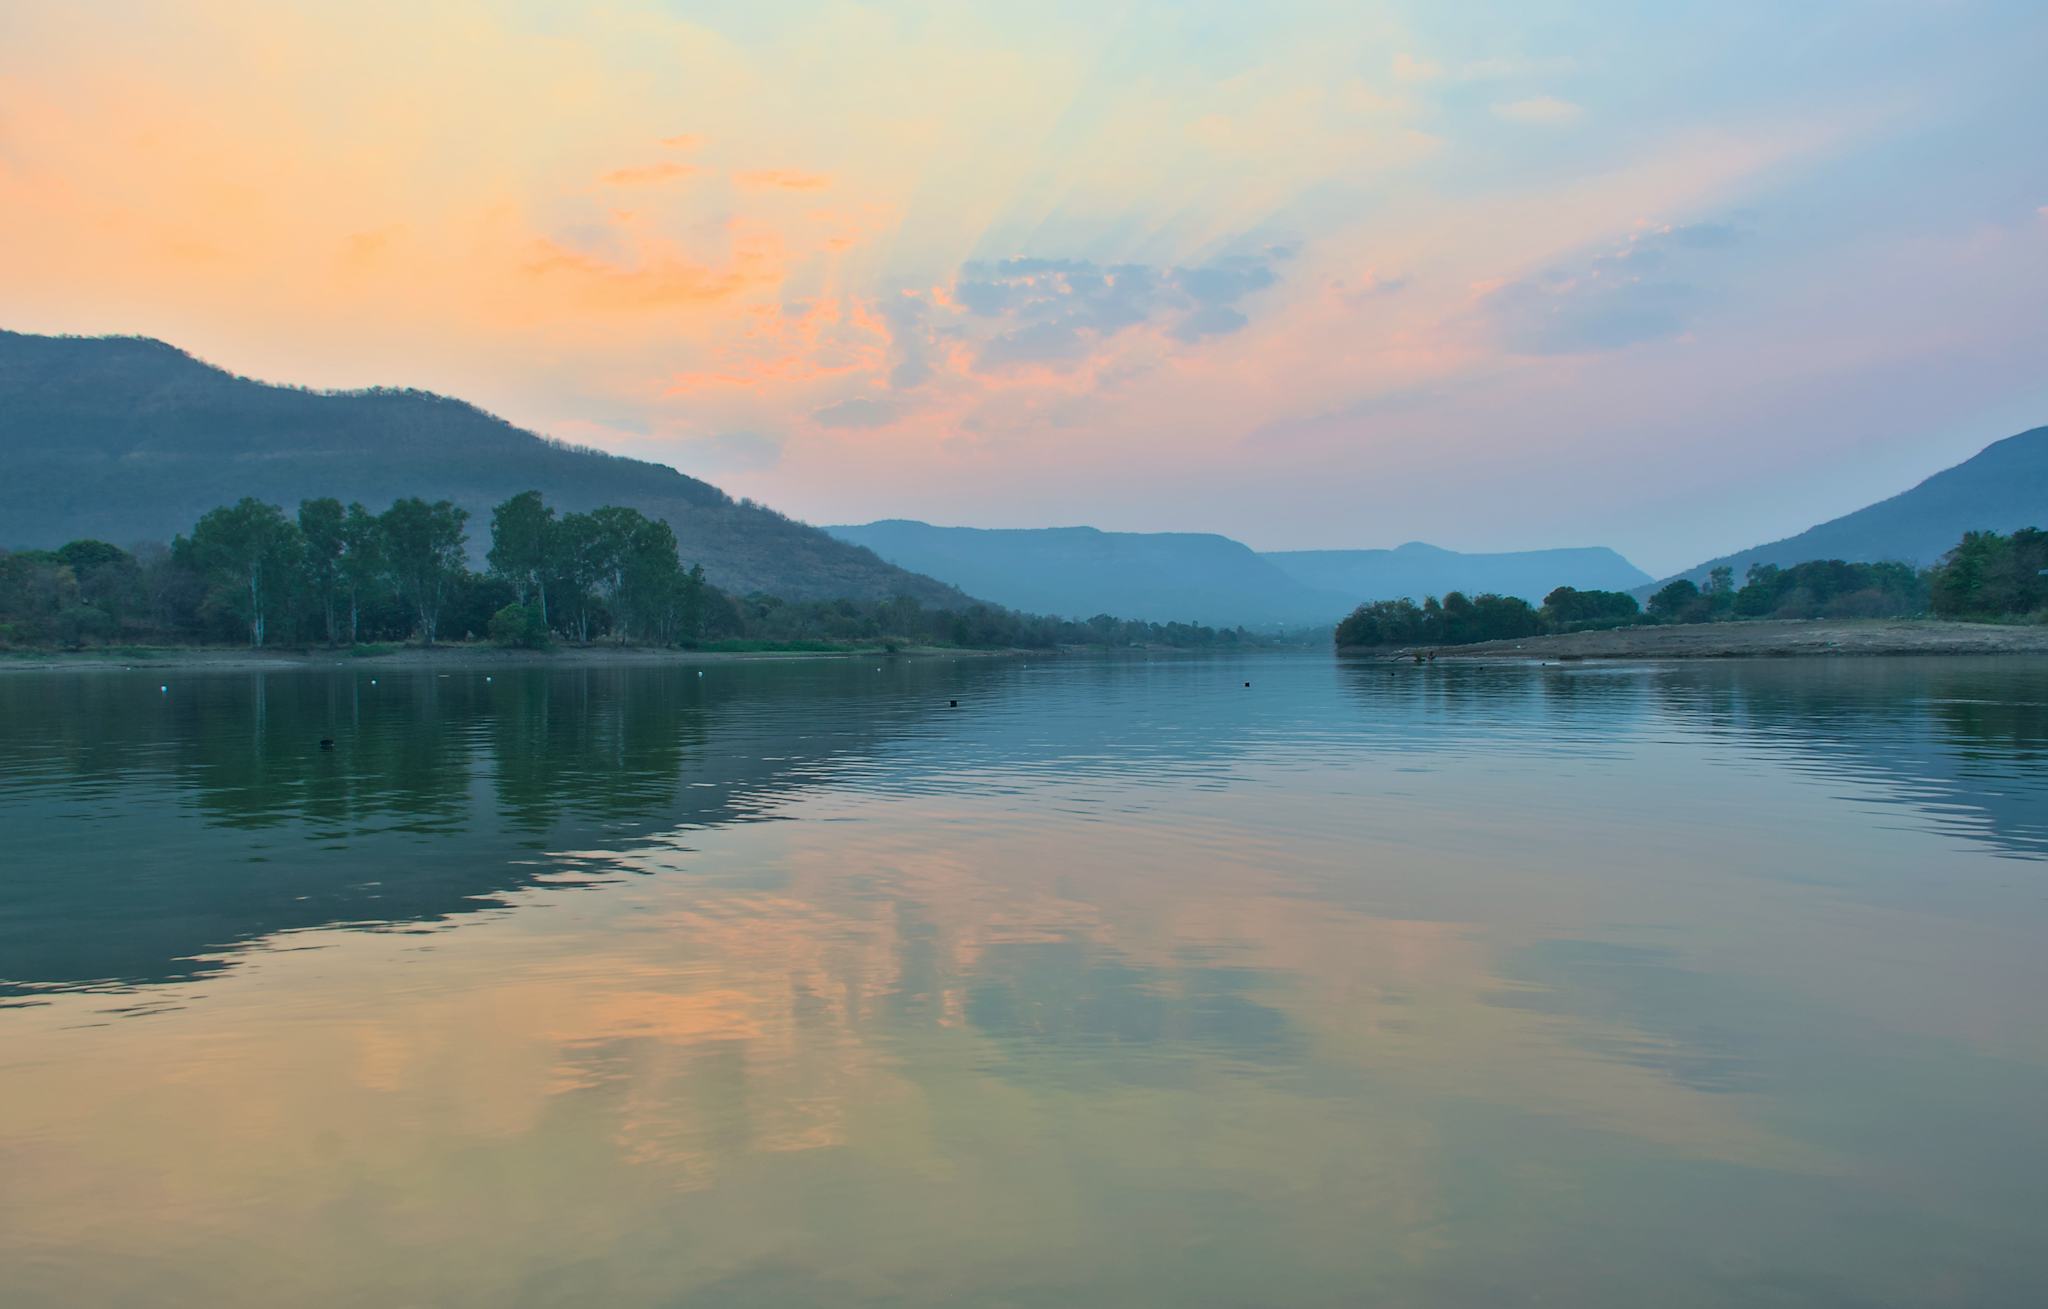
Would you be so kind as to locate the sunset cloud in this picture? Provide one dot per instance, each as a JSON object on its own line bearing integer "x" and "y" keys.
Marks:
{"x": 1290, "y": 268}
{"x": 781, "y": 179}
{"x": 648, "y": 174}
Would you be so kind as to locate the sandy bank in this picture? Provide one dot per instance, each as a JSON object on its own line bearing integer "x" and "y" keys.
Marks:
{"x": 443, "y": 658}
{"x": 1877, "y": 636}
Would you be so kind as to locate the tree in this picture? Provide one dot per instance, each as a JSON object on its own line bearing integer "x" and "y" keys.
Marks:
{"x": 362, "y": 561}
{"x": 577, "y": 562}
{"x": 1568, "y": 609}
{"x": 523, "y": 531}
{"x": 249, "y": 547}
{"x": 321, "y": 524}
{"x": 1677, "y": 602}
{"x": 424, "y": 544}
{"x": 651, "y": 583}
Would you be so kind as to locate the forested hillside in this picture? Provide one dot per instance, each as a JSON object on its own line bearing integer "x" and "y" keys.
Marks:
{"x": 126, "y": 439}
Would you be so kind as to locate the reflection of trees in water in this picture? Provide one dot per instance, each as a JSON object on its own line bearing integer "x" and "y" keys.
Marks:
{"x": 1942, "y": 733}
{"x": 431, "y": 802}
{"x": 1960, "y": 740}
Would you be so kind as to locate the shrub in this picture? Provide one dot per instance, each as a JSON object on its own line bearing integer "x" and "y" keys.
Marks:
{"x": 519, "y": 626}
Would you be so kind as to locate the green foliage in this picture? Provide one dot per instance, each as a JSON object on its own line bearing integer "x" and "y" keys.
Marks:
{"x": 1991, "y": 576}
{"x": 248, "y": 551}
{"x": 1831, "y": 588}
{"x": 348, "y": 576}
{"x": 523, "y": 532}
{"x": 519, "y": 626}
{"x": 423, "y": 547}
{"x": 321, "y": 524}
{"x": 1568, "y": 609}
{"x": 1455, "y": 620}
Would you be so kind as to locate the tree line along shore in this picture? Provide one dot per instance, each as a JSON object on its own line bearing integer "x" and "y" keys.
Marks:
{"x": 1988, "y": 577}
{"x": 341, "y": 576}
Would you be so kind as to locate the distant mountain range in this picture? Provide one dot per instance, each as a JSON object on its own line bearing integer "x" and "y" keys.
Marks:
{"x": 2001, "y": 488}
{"x": 1417, "y": 570}
{"x": 128, "y": 439}
{"x": 1079, "y": 572}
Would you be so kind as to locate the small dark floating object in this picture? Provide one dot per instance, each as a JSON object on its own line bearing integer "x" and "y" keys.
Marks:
{"x": 952, "y": 704}
{"x": 1247, "y": 683}
{"x": 326, "y": 743}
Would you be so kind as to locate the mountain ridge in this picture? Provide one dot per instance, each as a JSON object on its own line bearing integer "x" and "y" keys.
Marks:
{"x": 1210, "y": 578}
{"x": 2001, "y": 488}
{"x": 128, "y": 438}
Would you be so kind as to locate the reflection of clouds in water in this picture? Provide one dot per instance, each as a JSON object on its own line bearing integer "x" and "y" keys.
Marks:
{"x": 1257, "y": 1012}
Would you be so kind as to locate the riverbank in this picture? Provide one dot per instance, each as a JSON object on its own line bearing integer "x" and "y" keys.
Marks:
{"x": 442, "y": 658}
{"x": 1754, "y": 640}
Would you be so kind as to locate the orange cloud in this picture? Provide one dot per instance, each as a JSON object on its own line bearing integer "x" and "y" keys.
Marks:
{"x": 648, "y": 174}
{"x": 687, "y": 141}
{"x": 781, "y": 179}
{"x": 665, "y": 281}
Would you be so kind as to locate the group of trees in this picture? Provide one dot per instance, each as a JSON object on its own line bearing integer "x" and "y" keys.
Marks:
{"x": 341, "y": 575}
{"x": 1987, "y": 576}
{"x": 333, "y": 573}
{"x": 1455, "y": 620}
{"x": 1819, "y": 588}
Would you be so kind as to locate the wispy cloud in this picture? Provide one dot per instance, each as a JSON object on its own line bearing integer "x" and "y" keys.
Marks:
{"x": 1542, "y": 110}
{"x": 857, "y": 412}
{"x": 780, "y": 179}
{"x": 1648, "y": 288}
{"x": 1051, "y": 311}
{"x": 648, "y": 174}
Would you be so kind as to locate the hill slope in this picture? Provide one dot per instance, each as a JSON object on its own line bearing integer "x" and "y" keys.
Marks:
{"x": 2000, "y": 488}
{"x": 128, "y": 439}
{"x": 1416, "y": 570}
{"x": 1078, "y": 572}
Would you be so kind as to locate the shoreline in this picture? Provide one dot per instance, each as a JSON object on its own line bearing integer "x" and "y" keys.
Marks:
{"x": 1758, "y": 639}
{"x": 221, "y": 659}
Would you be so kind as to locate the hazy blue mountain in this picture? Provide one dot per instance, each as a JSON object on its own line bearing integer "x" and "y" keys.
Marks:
{"x": 1198, "y": 577}
{"x": 1078, "y": 572}
{"x": 1416, "y": 570}
{"x": 2002, "y": 487}
{"x": 128, "y": 439}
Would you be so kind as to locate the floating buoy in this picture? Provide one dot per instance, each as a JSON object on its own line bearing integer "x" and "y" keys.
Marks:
{"x": 165, "y": 689}
{"x": 326, "y": 743}
{"x": 952, "y": 704}
{"x": 1247, "y": 683}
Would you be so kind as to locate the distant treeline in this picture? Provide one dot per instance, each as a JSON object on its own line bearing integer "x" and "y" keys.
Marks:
{"x": 342, "y": 575}
{"x": 1987, "y": 577}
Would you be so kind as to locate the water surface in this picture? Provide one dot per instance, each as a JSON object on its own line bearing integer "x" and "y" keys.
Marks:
{"x": 1121, "y": 983}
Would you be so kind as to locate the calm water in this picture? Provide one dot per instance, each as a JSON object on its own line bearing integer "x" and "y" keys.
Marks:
{"x": 1120, "y": 984}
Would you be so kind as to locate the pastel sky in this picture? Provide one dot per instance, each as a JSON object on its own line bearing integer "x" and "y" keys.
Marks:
{"x": 1673, "y": 278}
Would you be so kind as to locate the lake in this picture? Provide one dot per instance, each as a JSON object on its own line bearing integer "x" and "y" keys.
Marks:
{"x": 1118, "y": 983}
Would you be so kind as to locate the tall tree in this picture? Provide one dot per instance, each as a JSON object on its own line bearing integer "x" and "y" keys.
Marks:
{"x": 578, "y": 561}
{"x": 251, "y": 547}
{"x": 523, "y": 533}
{"x": 321, "y": 525}
{"x": 362, "y": 561}
{"x": 424, "y": 544}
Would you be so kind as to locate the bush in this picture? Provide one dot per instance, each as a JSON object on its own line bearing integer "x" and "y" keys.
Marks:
{"x": 519, "y": 626}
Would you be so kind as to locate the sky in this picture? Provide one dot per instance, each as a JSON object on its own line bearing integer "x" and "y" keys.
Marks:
{"x": 1671, "y": 278}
